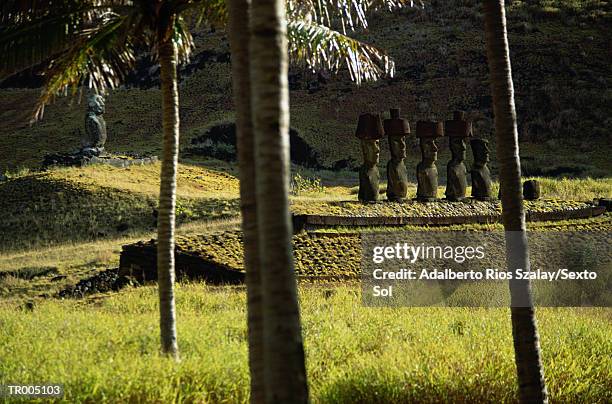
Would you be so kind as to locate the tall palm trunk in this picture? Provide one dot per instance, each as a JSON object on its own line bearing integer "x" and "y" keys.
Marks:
{"x": 239, "y": 41}
{"x": 532, "y": 388}
{"x": 284, "y": 372}
{"x": 167, "y": 197}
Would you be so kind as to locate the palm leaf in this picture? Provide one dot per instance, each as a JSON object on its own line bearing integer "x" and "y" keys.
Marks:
{"x": 93, "y": 42}
{"x": 181, "y": 36}
{"x": 97, "y": 50}
{"x": 347, "y": 14}
{"x": 99, "y": 59}
{"x": 318, "y": 46}
{"x": 32, "y": 31}
{"x": 32, "y": 41}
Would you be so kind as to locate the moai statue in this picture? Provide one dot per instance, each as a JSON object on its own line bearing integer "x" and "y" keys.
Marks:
{"x": 397, "y": 177}
{"x": 427, "y": 173}
{"x": 481, "y": 176}
{"x": 369, "y": 131}
{"x": 95, "y": 127}
{"x": 457, "y": 130}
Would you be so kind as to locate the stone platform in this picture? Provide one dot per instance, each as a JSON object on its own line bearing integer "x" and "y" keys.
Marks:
{"x": 80, "y": 159}
{"x": 442, "y": 213}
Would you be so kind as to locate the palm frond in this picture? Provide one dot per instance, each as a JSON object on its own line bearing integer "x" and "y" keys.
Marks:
{"x": 30, "y": 42}
{"x": 97, "y": 51}
{"x": 99, "y": 59}
{"x": 93, "y": 42}
{"x": 346, "y": 14}
{"x": 17, "y": 11}
{"x": 318, "y": 46}
{"x": 32, "y": 31}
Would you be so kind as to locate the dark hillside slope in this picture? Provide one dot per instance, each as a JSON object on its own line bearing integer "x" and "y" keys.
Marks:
{"x": 560, "y": 48}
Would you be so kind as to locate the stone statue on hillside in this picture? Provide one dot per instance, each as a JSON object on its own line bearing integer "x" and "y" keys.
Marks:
{"x": 369, "y": 131}
{"x": 397, "y": 177}
{"x": 92, "y": 144}
{"x": 481, "y": 176}
{"x": 95, "y": 126}
{"x": 427, "y": 173}
{"x": 457, "y": 130}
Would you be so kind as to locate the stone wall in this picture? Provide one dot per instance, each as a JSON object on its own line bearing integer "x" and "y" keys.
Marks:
{"x": 301, "y": 222}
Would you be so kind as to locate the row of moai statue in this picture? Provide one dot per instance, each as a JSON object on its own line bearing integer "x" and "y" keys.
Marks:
{"x": 371, "y": 129}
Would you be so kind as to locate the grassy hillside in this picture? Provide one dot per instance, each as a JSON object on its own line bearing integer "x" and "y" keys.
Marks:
{"x": 102, "y": 201}
{"x": 560, "y": 51}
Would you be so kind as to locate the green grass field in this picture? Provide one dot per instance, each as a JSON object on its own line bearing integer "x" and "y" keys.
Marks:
{"x": 354, "y": 354}
{"x": 99, "y": 202}
{"x": 105, "y": 348}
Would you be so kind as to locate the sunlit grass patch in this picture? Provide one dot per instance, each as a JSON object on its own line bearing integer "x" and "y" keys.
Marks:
{"x": 566, "y": 189}
{"x": 107, "y": 349}
{"x": 78, "y": 204}
{"x": 585, "y": 189}
{"x": 192, "y": 181}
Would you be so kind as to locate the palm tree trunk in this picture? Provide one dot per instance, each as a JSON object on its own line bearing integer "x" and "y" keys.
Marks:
{"x": 239, "y": 42}
{"x": 532, "y": 388}
{"x": 285, "y": 373}
{"x": 167, "y": 197}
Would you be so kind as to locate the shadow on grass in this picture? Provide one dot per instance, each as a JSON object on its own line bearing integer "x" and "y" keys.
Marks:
{"x": 41, "y": 211}
{"x": 370, "y": 385}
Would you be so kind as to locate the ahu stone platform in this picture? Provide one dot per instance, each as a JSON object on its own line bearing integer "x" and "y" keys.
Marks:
{"x": 439, "y": 213}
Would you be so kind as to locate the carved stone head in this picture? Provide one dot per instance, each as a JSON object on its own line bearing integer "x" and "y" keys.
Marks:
{"x": 95, "y": 104}
{"x": 480, "y": 148}
{"x": 397, "y": 146}
{"x": 371, "y": 152}
{"x": 429, "y": 150}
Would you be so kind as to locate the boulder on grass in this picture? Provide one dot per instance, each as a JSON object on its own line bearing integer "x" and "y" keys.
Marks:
{"x": 531, "y": 190}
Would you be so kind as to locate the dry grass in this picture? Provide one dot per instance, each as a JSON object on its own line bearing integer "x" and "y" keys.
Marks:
{"x": 566, "y": 189}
